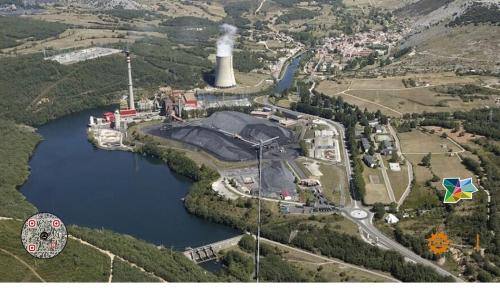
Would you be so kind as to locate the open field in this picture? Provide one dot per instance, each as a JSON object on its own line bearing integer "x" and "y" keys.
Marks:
{"x": 376, "y": 191}
{"x": 389, "y": 4}
{"x": 442, "y": 165}
{"x": 465, "y": 139}
{"x": 333, "y": 180}
{"x": 250, "y": 83}
{"x": 213, "y": 11}
{"x": 399, "y": 180}
{"x": 419, "y": 100}
{"x": 391, "y": 97}
{"x": 80, "y": 38}
{"x": 331, "y": 88}
{"x": 371, "y": 105}
{"x": 417, "y": 142}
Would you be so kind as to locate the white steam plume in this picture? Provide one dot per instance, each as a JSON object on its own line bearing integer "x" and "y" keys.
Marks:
{"x": 226, "y": 42}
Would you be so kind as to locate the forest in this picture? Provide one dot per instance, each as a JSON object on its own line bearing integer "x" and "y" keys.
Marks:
{"x": 16, "y": 145}
{"x": 34, "y": 91}
{"x": 171, "y": 265}
{"x": 296, "y": 14}
{"x": 13, "y": 29}
{"x": 479, "y": 13}
{"x": 246, "y": 61}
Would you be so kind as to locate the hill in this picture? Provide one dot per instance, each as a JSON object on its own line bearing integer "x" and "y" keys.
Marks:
{"x": 453, "y": 35}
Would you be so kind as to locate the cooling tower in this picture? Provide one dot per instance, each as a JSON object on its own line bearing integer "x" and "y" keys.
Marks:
{"x": 224, "y": 75}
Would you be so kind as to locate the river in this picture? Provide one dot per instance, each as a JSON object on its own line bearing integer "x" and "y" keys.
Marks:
{"x": 122, "y": 191}
{"x": 287, "y": 80}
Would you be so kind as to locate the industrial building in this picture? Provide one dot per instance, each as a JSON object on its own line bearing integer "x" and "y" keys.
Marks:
{"x": 109, "y": 130}
{"x": 82, "y": 55}
{"x": 325, "y": 146}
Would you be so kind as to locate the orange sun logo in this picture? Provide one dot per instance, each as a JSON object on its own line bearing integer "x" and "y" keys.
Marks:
{"x": 438, "y": 243}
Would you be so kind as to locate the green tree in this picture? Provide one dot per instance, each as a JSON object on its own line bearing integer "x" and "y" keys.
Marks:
{"x": 379, "y": 210}
{"x": 426, "y": 160}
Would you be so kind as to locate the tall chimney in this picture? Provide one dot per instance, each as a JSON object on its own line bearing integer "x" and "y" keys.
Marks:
{"x": 130, "y": 87}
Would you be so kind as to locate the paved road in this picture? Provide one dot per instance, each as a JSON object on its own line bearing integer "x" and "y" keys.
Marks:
{"x": 366, "y": 223}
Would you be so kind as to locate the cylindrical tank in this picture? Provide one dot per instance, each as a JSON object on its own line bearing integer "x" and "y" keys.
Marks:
{"x": 117, "y": 120}
{"x": 224, "y": 75}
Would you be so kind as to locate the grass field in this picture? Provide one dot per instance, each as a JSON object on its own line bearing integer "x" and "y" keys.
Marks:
{"x": 81, "y": 38}
{"x": 399, "y": 180}
{"x": 12, "y": 270}
{"x": 417, "y": 142}
{"x": 333, "y": 180}
{"x": 375, "y": 192}
{"x": 391, "y": 97}
{"x": 77, "y": 263}
{"x": 389, "y": 4}
{"x": 329, "y": 87}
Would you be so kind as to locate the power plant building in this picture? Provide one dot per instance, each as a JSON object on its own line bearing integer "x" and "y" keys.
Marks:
{"x": 224, "y": 74}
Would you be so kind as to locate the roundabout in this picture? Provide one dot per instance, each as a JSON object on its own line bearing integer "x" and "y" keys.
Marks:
{"x": 359, "y": 214}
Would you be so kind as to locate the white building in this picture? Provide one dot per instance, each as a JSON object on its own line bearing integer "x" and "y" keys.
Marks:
{"x": 391, "y": 219}
{"x": 395, "y": 167}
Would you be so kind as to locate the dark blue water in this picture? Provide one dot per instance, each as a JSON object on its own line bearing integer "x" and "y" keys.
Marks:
{"x": 287, "y": 79}
{"x": 116, "y": 190}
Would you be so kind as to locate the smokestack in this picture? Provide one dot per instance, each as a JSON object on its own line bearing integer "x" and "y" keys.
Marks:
{"x": 130, "y": 86}
{"x": 224, "y": 74}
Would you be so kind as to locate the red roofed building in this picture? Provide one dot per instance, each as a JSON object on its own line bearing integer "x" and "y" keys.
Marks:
{"x": 190, "y": 101}
{"x": 109, "y": 116}
{"x": 128, "y": 113}
{"x": 285, "y": 195}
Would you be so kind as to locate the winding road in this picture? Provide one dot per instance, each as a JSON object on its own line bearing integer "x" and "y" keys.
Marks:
{"x": 364, "y": 219}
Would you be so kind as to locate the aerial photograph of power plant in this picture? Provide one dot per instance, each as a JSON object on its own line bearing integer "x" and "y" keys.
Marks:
{"x": 283, "y": 148}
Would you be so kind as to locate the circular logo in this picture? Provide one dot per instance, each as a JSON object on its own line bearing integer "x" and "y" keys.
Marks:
{"x": 44, "y": 235}
{"x": 438, "y": 243}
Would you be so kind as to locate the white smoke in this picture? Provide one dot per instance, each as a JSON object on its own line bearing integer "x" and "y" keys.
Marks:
{"x": 226, "y": 42}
